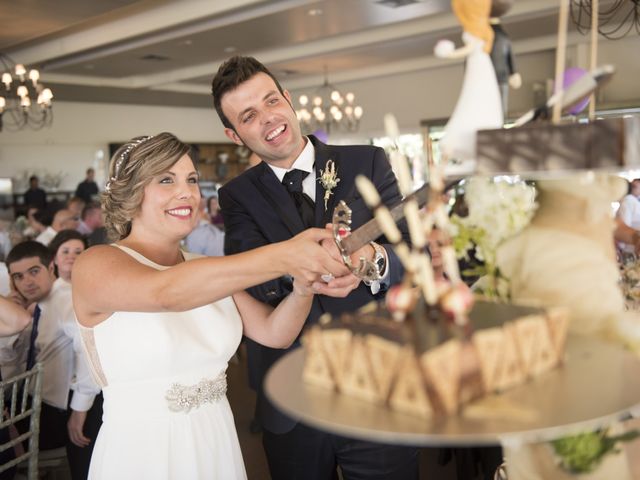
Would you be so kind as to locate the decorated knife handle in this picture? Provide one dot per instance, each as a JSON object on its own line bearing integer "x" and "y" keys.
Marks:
{"x": 365, "y": 269}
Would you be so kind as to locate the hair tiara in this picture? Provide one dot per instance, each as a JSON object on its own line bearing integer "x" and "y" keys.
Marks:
{"x": 125, "y": 156}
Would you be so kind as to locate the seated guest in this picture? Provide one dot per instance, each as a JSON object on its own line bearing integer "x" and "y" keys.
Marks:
{"x": 214, "y": 211}
{"x": 52, "y": 340}
{"x": 206, "y": 238}
{"x": 62, "y": 219}
{"x": 91, "y": 218}
{"x": 76, "y": 205}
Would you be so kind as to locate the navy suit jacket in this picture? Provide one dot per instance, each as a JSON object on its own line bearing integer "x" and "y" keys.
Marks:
{"x": 258, "y": 210}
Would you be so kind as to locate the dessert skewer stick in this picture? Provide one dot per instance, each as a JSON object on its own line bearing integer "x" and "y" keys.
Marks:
{"x": 421, "y": 263}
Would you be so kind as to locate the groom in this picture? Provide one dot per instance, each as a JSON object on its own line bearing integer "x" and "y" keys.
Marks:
{"x": 274, "y": 201}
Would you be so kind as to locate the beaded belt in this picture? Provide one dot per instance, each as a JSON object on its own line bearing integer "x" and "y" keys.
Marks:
{"x": 183, "y": 398}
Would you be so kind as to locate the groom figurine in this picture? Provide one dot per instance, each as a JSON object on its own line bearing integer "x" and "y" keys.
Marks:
{"x": 275, "y": 200}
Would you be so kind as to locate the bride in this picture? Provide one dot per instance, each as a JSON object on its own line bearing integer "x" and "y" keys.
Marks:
{"x": 160, "y": 325}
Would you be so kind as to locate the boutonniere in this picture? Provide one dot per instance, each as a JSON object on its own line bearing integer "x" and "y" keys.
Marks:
{"x": 329, "y": 180}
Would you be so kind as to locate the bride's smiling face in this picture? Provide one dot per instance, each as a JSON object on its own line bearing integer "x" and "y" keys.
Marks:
{"x": 170, "y": 202}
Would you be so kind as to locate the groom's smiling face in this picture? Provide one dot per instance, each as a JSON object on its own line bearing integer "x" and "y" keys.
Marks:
{"x": 263, "y": 120}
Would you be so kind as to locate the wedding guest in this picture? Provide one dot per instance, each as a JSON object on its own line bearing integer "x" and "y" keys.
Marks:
{"x": 35, "y": 196}
{"x": 52, "y": 340}
{"x": 62, "y": 219}
{"x": 160, "y": 324}
{"x": 83, "y": 426}
{"x": 88, "y": 188}
{"x": 272, "y": 201}
{"x": 91, "y": 218}
{"x": 213, "y": 207}
{"x": 206, "y": 238}
{"x": 75, "y": 205}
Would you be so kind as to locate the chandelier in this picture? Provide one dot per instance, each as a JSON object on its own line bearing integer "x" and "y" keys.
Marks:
{"x": 24, "y": 101}
{"x": 615, "y": 19}
{"x": 329, "y": 109}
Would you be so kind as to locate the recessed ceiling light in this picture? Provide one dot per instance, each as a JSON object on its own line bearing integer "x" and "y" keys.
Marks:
{"x": 229, "y": 49}
{"x": 314, "y": 12}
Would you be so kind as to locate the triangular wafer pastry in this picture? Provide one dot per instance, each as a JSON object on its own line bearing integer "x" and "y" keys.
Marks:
{"x": 409, "y": 394}
{"x": 316, "y": 369}
{"x": 442, "y": 367}
{"x": 336, "y": 343}
{"x": 558, "y": 322}
{"x": 383, "y": 356}
{"x": 528, "y": 330}
{"x": 546, "y": 355}
{"x": 358, "y": 380}
{"x": 489, "y": 344}
{"x": 511, "y": 372}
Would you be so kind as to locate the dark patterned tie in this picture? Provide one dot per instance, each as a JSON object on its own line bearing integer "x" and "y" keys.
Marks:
{"x": 305, "y": 206}
{"x": 31, "y": 355}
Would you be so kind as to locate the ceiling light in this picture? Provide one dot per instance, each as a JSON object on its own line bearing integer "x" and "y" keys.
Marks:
{"x": 19, "y": 86}
{"x": 314, "y": 12}
{"x": 329, "y": 109}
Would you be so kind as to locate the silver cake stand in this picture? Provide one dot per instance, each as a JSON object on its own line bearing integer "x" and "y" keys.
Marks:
{"x": 598, "y": 383}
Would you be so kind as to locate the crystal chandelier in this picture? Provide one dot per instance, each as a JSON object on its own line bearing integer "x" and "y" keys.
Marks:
{"x": 615, "y": 19}
{"x": 24, "y": 101}
{"x": 329, "y": 109}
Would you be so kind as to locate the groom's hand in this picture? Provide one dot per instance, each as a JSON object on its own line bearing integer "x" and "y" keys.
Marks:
{"x": 339, "y": 287}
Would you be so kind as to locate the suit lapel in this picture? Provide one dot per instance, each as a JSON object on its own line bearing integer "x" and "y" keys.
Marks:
{"x": 279, "y": 199}
{"x": 323, "y": 155}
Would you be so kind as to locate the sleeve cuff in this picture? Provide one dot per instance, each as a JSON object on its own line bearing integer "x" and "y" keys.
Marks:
{"x": 81, "y": 402}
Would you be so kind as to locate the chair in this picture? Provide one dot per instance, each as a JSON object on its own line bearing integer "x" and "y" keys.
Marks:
{"x": 15, "y": 404}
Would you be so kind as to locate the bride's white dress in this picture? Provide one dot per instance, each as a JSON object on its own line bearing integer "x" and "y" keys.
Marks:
{"x": 166, "y": 414}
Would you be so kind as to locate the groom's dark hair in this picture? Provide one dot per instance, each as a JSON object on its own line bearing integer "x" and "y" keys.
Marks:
{"x": 232, "y": 73}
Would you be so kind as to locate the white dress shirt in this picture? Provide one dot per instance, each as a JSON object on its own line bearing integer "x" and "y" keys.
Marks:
{"x": 58, "y": 348}
{"x": 46, "y": 236}
{"x": 629, "y": 211}
{"x": 305, "y": 162}
{"x": 205, "y": 239}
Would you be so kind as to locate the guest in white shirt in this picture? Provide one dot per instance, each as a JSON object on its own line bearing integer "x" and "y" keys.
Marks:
{"x": 206, "y": 238}
{"x": 62, "y": 220}
{"x": 629, "y": 213}
{"x": 52, "y": 340}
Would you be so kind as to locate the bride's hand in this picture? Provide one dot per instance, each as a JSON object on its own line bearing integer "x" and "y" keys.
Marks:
{"x": 306, "y": 260}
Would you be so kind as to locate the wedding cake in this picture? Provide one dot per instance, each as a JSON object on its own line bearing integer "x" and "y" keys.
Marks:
{"x": 426, "y": 365}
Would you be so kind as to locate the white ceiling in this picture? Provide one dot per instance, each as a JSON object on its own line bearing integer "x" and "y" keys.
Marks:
{"x": 166, "y": 52}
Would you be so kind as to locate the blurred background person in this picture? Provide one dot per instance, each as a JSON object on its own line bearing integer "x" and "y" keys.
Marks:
{"x": 62, "y": 219}
{"x": 206, "y": 238}
{"x": 87, "y": 189}
{"x": 35, "y": 196}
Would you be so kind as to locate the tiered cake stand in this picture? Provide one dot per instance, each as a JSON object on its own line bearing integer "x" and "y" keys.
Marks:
{"x": 597, "y": 384}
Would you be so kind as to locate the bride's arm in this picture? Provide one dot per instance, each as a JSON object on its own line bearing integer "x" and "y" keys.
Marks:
{"x": 279, "y": 327}
{"x": 106, "y": 279}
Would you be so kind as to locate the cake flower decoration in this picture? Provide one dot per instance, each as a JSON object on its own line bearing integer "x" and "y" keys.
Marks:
{"x": 329, "y": 180}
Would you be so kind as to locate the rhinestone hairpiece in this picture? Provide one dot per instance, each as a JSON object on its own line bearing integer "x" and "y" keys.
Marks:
{"x": 124, "y": 156}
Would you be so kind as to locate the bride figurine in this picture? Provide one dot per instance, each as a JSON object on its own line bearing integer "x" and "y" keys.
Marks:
{"x": 479, "y": 105}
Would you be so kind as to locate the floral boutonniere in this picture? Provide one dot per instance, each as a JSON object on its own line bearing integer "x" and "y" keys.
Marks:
{"x": 329, "y": 180}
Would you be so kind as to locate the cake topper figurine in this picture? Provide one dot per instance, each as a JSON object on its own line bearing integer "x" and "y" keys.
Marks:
{"x": 479, "y": 105}
{"x": 501, "y": 53}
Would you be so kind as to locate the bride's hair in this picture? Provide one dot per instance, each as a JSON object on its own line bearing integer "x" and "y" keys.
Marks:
{"x": 474, "y": 17}
{"x": 131, "y": 169}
